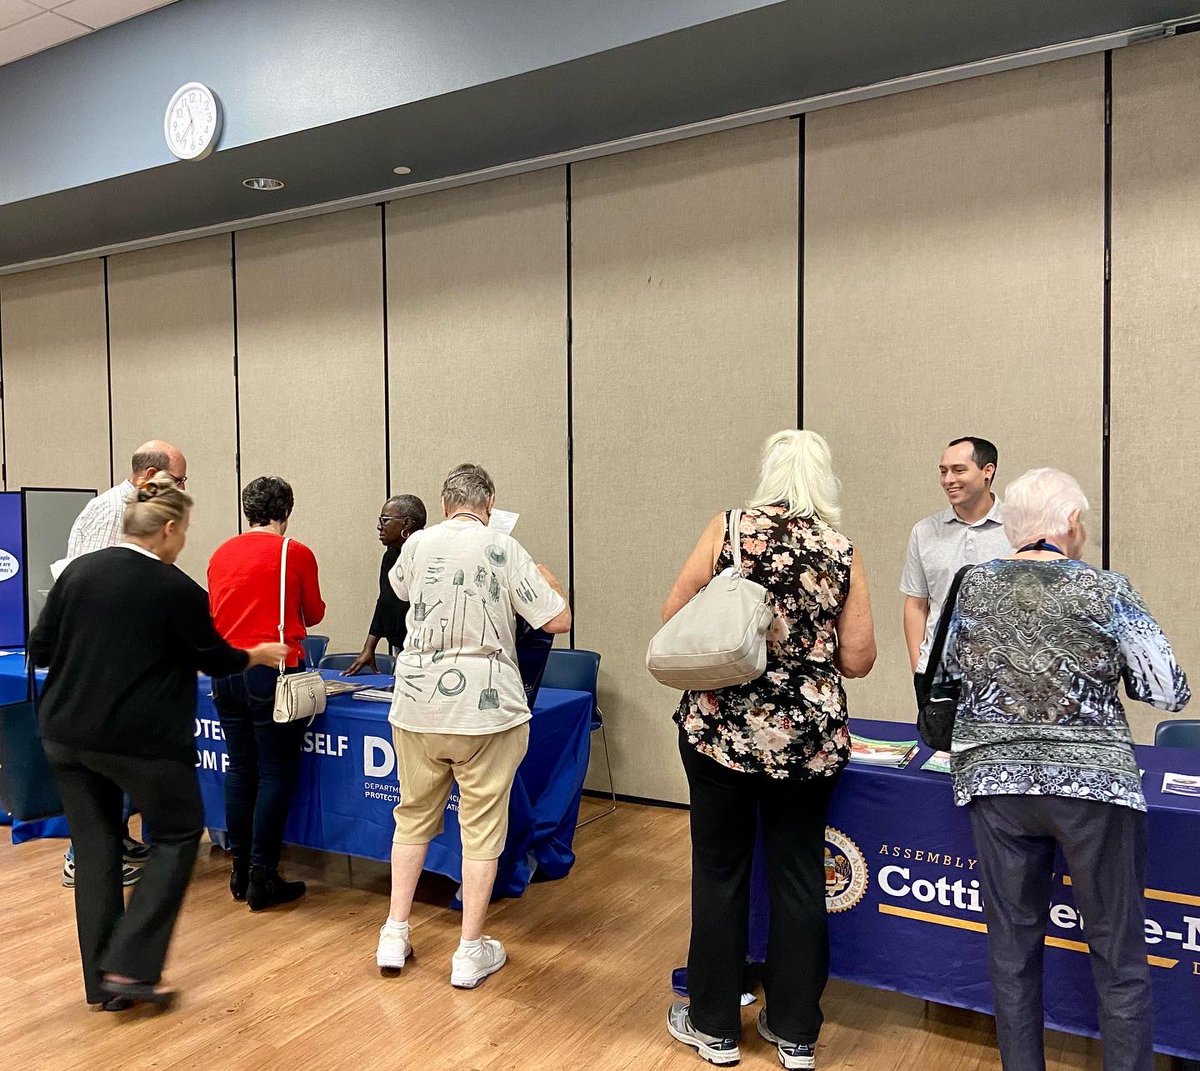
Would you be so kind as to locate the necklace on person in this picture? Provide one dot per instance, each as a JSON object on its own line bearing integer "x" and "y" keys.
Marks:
{"x": 464, "y": 513}
{"x": 1041, "y": 544}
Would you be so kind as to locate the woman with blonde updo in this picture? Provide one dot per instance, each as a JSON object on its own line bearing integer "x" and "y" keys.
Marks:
{"x": 123, "y": 634}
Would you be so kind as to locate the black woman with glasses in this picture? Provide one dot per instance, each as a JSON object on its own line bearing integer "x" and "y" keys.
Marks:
{"x": 400, "y": 517}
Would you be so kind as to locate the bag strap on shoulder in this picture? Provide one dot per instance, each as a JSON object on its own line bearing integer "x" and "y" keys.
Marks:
{"x": 735, "y": 542}
{"x": 940, "y": 635}
{"x": 282, "y": 597}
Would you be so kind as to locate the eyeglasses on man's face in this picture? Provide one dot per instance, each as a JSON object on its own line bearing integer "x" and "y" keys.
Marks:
{"x": 180, "y": 481}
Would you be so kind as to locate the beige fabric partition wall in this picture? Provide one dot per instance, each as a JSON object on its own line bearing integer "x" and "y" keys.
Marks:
{"x": 1155, "y": 334}
{"x": 684, "y": 320}
{"x": 55, "y": 377}
{"x": 310, "y": 361}
{"x": 171, "y": 338}
{"x": 953, "y": 273}
{"x": 477, "y": 328}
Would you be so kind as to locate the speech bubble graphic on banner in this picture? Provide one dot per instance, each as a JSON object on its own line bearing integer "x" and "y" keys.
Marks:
{"x": 9, "y": 565}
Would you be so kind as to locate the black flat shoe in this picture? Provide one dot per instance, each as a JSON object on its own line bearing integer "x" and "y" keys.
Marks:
{"x": 138, "y": 993}
{"x": 268, "y": 889}
{"x": 116, "y": 1004}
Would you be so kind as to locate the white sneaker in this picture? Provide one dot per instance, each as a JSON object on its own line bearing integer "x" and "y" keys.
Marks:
{"x": 393, "y": 949}
{"x": 470, "y": 967}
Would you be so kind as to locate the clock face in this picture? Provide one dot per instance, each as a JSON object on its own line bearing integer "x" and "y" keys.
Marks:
{"x": 192, "y": 122}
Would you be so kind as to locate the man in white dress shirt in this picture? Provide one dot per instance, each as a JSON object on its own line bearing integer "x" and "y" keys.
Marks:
{"x": 101, "y": 524}
{"x": 102, "y": 521}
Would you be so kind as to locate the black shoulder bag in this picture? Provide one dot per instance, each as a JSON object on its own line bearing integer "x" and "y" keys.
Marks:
{"x": 939, "y": 702}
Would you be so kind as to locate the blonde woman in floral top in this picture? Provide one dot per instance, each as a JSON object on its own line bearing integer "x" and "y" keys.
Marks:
{"x": 770, "y": 752}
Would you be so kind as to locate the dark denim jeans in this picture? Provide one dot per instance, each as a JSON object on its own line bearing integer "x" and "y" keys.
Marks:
{"x": 264, "y": 758}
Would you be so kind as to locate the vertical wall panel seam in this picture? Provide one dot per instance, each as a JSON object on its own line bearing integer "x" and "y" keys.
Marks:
{"x": 570, "y": 410}
{"x": 1106, "y": 329}
{"x": 800, "y": 153}
{"x": 387, "y": 399}
{"x": 237, "y": 382}
{"x": 112, "y": 468}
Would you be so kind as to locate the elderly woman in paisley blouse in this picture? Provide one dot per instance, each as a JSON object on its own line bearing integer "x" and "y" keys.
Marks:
{"x": 1042, "y": 755}
{"x": 770, "y": 751}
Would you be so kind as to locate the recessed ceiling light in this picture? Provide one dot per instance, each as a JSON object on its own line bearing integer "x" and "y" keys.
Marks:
{"x": 402, "y": 170}
{"x": 263, "y": 183}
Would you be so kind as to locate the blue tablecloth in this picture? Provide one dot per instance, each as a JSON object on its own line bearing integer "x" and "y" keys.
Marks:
{"x": 905, "y": 908}
{"x": 14, "y": 684}
{"x": 348, "y": 786}
{"x": 14, "y": 690}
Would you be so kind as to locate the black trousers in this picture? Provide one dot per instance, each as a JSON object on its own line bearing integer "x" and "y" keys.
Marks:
{"x": 727, "y": 808}
{"x": 114, "y": 938}
{"x": 264, "y": 762}
{"x": 1105, "y": 849}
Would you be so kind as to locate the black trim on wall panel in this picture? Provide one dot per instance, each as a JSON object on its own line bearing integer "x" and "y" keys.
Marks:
{"x": 800, "y": 119}
{"x": 237, "y": 383}
{"x": 570, "y": 416}
{"x": 387, "y": 401}
{"x": 1106, "y": 379}
{"x": 112, "y": 466}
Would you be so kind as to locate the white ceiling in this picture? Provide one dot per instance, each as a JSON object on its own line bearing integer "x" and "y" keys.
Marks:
{"x": 29, "y": 26}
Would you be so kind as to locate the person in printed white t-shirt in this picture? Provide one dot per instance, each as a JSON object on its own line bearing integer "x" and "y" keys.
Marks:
{"x": 459, "y": 713}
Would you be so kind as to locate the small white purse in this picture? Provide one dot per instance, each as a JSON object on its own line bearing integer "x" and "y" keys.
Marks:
{"x": 720, "y": 637}
{"x": 297, "y": 695}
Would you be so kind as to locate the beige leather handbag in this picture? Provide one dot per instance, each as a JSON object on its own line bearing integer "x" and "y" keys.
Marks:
{"x": 297, "y": 695}
{"x": 720, "y": 637}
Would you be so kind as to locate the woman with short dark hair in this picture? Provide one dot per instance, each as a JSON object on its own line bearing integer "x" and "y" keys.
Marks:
{"x": 264, "y": 757}
{"x": 123, "y": 634}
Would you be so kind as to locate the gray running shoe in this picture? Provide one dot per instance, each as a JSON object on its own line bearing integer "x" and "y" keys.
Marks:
{"x": 720, "y": 1051}
{"x": 791, "y": 1055}
{"x": 130, "y": 875}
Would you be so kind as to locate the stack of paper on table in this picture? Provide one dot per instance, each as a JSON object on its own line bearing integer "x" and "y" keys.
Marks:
{"x": 1181, "y": 784}
{"x": 374, "y": 695}
{"x": 881, "y": 752}
{"x": 342, "y": 687}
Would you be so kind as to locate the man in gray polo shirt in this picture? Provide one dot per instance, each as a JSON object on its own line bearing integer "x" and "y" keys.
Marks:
{"x": 967, "y": 532}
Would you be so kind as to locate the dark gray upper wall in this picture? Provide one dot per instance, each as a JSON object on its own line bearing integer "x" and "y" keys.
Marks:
{"x": 92, "y": 109}
{"x": 313, "y": 100}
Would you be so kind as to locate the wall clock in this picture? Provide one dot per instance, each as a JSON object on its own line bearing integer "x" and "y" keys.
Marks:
{"x": 193, "y": 121}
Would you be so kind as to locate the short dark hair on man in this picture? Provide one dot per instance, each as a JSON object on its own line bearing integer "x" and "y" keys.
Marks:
{"x": 267, "y": 499}
{"x": 983, "y": 452}
{"x": 409, "y": 508}
{"x": 149, "y": 459}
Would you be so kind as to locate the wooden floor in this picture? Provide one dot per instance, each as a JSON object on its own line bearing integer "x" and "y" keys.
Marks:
{"x": 586, "y": 985}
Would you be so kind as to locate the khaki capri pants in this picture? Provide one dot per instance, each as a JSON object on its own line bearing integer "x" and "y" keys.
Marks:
{"x": 483, "y": 766}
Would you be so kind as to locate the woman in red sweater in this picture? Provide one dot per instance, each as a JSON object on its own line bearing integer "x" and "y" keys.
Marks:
{"x": 264, "y": 757}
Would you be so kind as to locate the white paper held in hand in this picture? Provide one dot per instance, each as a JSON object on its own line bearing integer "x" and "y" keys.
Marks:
{"x": 503, "y": 521}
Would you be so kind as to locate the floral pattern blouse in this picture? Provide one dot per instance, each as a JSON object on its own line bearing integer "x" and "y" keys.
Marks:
{"x": 1040, "y": 648}
{"x": 791, "y": 721}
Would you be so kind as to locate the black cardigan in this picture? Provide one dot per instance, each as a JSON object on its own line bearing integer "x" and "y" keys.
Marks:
{"x": 390, "y": 620}
{"x": 123, "y": 635}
